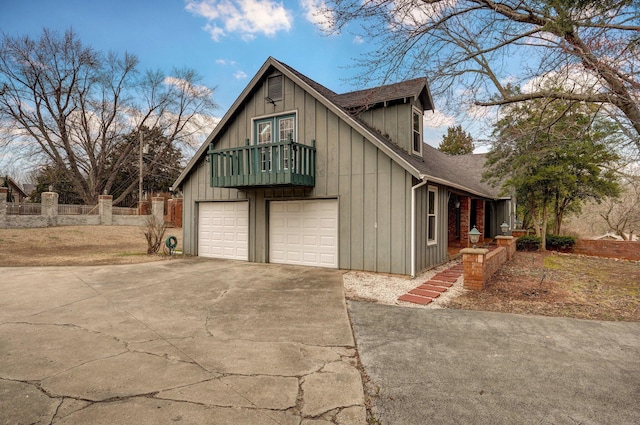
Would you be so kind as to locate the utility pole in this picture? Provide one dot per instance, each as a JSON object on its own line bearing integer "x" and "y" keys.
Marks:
{"x": 140, "y": 168}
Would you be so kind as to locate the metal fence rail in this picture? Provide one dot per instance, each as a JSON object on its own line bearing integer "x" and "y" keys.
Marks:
{"x": 124, "y": 211}
{"x": 77, "y": 209}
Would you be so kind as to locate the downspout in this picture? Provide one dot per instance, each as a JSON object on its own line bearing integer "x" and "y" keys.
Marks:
{"x": 413, "y": 224}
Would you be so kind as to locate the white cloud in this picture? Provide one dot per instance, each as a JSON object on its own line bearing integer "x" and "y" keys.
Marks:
{"x": 187, "y": 87}
{"x": 358, "y": 39}
{"x": 318, "y": 14}
{"x": 225, "y": 62}
{"x": 245, "y": 17}
{"x": 573, "y": 78}
{"x": 437, "y": 119}
{"x": 239, "y": 75}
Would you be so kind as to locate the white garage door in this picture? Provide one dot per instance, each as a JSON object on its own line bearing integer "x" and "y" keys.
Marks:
{"x": 304, "y": 232}
{"x": 223, "y": 230}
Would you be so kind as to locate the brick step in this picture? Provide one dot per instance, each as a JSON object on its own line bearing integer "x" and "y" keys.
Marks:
{"x": 424, "y": 293}
{"x": 427, "y": 286}
{"x": 438, "y": 283}
{"x": 416, "y": 299}
{"x": 450, "y": 279}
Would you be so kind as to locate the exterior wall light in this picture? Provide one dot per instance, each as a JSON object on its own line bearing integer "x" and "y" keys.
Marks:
{"x": 474, "y": 236}
{"x": 504, "y": 227}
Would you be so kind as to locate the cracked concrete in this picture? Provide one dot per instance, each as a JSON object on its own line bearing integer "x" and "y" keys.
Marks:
{"x": 188, "y": 341}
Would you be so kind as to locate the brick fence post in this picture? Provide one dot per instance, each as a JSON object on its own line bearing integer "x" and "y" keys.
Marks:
{"x": 157, "y": 208}
{"x": 105, "y": 209}
{"x": 49, "y": 204}
{"x": 473, "y": 261}
{"x": 3, "y": 207}
{"x": 509, "y": 242}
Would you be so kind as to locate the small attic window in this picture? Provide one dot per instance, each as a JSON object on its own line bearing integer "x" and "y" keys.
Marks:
{"x": 274, "y": 87}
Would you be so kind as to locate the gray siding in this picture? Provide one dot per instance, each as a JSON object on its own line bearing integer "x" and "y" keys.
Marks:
{"x": 393, "y": 121}
{"x": 373, "y": 191}
{"x": 430, "y": 255}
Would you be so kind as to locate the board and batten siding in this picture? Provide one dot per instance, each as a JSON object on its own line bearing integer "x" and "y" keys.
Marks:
{"x": 373, "y": 191}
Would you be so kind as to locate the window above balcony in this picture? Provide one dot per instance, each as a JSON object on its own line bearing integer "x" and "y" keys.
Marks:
{"x": 274, "y": 157}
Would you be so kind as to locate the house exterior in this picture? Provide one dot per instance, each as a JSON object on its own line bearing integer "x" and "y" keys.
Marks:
{"x": 297, "y": 174}
{"x": 14, "y": 191}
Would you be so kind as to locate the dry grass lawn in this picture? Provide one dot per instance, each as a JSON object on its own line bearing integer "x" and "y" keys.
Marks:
{"x": 564, "y": 285}
{"x": 77, "y": 245}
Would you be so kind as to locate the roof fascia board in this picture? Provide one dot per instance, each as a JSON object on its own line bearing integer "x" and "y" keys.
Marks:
{"x": 456, "y": 186}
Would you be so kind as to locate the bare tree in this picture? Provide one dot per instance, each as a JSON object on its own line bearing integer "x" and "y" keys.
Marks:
{"x": 478, "y": 49}
{"x": 622, "y": 215}
{"x": 72, "y": 106}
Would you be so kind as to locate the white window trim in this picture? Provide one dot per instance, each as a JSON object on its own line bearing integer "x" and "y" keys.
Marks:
{"x": 254, "y": 136}
{"x": 433, "y": 241}
{"x": 415, "y": 110}
{"x": 275, "y": 135}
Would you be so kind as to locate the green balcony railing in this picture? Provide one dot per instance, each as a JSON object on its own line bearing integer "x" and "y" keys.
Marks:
{"x": 274, "y": 164}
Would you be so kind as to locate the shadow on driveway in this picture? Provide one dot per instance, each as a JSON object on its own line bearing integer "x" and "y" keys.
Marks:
{"x": 467, "y": 367}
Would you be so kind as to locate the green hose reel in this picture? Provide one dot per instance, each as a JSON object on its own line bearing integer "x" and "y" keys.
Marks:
{"x": 171, "y": 242}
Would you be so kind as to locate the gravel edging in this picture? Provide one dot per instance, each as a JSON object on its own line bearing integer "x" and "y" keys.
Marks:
{"x": 385, "y": 289}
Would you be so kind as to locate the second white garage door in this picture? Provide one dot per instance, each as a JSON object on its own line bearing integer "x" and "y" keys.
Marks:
{"x": 304, "y": 232}
{"x": 223, "y": 230}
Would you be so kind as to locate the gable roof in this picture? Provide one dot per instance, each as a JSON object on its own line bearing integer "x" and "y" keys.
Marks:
{"x": 14, "y": 186}
{"x": 434, "y": 165}
{"x": 417, "y": 88}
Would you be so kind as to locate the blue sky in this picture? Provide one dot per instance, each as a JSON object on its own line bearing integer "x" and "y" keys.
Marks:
{"x": 225, "y": 41}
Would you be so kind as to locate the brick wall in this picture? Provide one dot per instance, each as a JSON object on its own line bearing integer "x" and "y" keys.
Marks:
{"x": 174, "y": 212}
{"x": 626, "y": 250}
{"x": 480, "y": 218}
{"x": 480, "y": 264}
{"x": 50, "y": 216}
{"x": 465, "y": 217}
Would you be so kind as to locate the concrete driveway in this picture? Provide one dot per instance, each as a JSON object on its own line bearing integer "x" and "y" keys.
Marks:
{"x": 466, "y": 367}
{"x": 181, "y": 341}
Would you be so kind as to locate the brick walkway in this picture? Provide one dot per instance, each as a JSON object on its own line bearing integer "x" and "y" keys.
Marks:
{"x": 435, "y": 286}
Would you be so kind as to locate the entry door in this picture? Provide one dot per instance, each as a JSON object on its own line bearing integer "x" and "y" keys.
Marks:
{"x": 223, "y": 230}
{"x": 304, "y": 232}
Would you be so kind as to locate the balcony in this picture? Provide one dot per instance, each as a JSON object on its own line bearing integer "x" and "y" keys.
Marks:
{"x": 274, "y": 164}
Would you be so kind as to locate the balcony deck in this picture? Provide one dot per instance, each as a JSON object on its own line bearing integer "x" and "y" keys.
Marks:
{"x": 268, "y": 165}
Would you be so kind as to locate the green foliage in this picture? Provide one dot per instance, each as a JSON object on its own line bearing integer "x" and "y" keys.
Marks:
{"x": 162, "y": 163}
{"x": 54, "y": 176}
{"x": 553, "y": 243}
{"x": 528, "y": 243}
{"x": 560, "y": 243}
{"x": 556, "y": 155}
{"x": 456, "y": 142}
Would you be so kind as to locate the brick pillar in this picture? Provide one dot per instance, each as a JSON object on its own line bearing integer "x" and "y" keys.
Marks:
{"x": 105, "y": 207}
{"x": 509, "y": 243}
{"x": 144, "y": 208}
{"x": 480, "y": 219}
{"x": 3, "y": 207}
{"x": 473, "y": 264}
{"x": 465, "y": 218}
{"x": 177, "y": 215}
{"x": 49, "y": 203}
{"x": 157, "y": 208}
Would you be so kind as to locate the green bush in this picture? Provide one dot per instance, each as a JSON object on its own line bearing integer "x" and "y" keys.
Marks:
{"x": 528, "y": 243}
{"x": 554, "y": 243}
{"x": 560, "y": 243}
